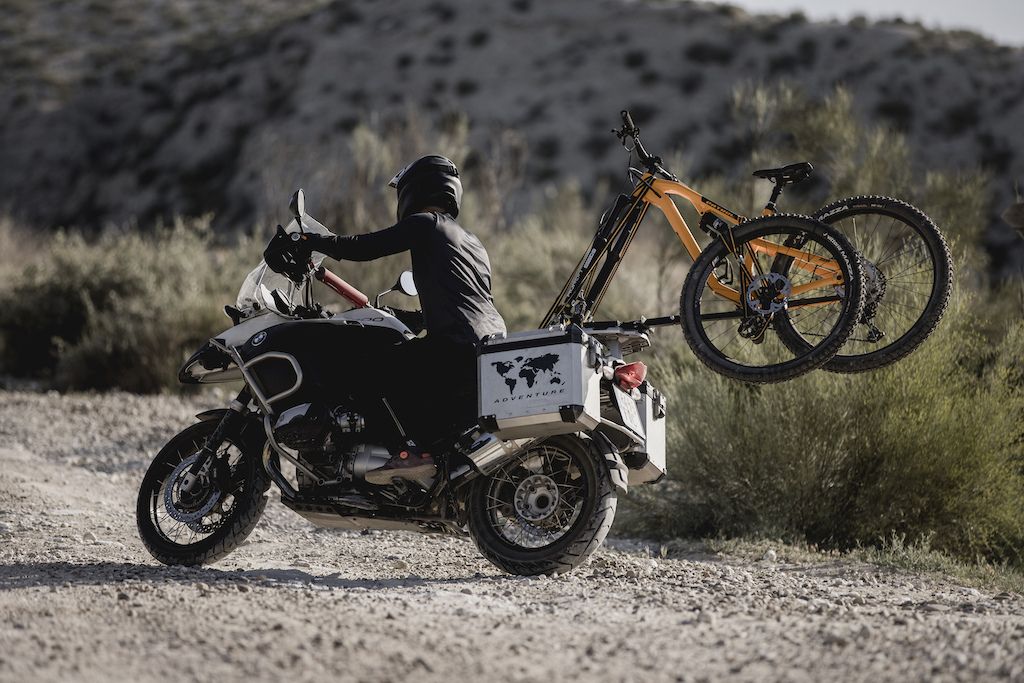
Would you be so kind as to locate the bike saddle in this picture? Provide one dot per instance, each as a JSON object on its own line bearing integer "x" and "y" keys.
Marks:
{"x": 786, "y": 175}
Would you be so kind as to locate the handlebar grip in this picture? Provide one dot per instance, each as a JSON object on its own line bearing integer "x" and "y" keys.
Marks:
{"x": 341, "y": 287}
{"x": 627, "y": 120}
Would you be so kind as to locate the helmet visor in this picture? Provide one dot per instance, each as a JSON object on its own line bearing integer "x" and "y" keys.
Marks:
{"x": 398, "y": 176}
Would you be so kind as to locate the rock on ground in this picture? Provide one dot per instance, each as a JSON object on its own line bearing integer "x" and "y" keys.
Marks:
{"x": 80, "y": 599}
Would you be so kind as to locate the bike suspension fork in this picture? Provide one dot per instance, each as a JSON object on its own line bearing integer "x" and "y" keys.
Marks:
{"x": 207, "y": 459}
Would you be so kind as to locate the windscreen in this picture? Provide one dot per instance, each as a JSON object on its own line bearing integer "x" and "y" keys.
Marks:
{"x": 255, "y": 293}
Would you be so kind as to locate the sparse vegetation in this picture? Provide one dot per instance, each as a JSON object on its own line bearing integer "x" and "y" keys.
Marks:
{"x": 929, "y": 449}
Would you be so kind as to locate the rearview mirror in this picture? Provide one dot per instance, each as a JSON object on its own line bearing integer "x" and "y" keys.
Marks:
{"x": 406, "y": 284}
{"x": 298, "y": 205}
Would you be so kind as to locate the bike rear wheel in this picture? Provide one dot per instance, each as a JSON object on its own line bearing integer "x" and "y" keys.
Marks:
{"x": 546, "y": 511}
{"x": 737, "y": 339}
{"x": 908, "y": 275}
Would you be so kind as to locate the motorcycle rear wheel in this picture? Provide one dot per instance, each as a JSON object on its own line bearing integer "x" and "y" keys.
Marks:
{"x": 546, "y": 511}
{"x": 214, "y": 532}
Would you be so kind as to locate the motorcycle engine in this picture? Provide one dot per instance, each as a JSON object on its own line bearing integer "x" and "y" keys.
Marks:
{"x": 304, "y": 427}
{"x": 332, "y": 441}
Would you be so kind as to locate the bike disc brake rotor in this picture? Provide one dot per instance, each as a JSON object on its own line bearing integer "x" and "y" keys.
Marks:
{"x": 768, "y": 294}
{"x": 185, "y": 508}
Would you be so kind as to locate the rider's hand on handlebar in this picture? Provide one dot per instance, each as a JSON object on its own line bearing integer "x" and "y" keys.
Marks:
{"x": 288, "y": 255}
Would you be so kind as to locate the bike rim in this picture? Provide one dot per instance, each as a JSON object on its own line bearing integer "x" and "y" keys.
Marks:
{"x": 536, "y": 500}
{"x": 213, "y": 517}
{"x": 747, "y": 338}
{"x": 900, "y": 278}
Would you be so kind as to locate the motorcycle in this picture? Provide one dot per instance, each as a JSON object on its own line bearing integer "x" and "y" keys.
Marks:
{"x": 564, "y": 426}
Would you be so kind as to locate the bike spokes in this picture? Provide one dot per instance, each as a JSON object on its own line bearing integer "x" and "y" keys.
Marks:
{"x": 789, "y": 269}
{"x": 907, "y": 279}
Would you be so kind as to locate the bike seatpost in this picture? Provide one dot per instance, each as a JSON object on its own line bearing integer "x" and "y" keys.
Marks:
{"x": 770, "y": 208}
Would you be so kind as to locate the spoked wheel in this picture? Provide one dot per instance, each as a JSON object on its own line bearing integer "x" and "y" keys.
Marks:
{"x": 195, "y": 525}
{"x": 546, "y": 511}
{"x": 820, "y": 295}
{"x": 908, "y": 274}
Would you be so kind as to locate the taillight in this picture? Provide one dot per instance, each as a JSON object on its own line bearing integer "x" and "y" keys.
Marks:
{"x": 631, "y": 376}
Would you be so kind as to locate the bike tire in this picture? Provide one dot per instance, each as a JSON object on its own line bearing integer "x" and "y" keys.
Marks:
{"x": 806, "y": 359}
{"x": 842, "y": 215}
{"x": 251, "y": 500}
{"x": 585, "y": 535}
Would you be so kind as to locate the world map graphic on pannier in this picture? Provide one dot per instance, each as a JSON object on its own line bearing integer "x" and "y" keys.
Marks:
{"x": 529, "y": 369}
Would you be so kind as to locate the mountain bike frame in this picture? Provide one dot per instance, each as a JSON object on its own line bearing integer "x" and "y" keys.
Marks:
{"x": 583, "y": 291}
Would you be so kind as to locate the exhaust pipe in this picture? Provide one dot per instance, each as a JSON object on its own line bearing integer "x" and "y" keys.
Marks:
{"x": 488, "y": 453}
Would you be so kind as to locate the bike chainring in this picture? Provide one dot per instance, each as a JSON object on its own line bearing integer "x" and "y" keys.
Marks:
{"x": 190, "y": 508}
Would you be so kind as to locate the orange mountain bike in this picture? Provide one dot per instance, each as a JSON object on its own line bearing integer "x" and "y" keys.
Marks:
{"x": 858, "y": 285}
{"x": 753, "y": 274}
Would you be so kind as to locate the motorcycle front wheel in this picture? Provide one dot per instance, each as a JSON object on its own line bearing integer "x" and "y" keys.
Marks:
{"x": 546, "y": 511}
{"x": 200, "y": 527}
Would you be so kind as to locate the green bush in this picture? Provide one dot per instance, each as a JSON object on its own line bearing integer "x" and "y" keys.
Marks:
{"x": 119, "y": 311}
{"x": 930, "y": 447}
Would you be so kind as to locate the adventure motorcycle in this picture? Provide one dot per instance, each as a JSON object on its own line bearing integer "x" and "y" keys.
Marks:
{"x": 564, "y": 425}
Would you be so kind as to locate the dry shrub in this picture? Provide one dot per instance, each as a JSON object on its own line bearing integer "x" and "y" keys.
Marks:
{"x": 122, "y": 310}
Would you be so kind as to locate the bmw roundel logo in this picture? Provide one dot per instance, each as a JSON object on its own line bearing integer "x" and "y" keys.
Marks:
{"x": 258, "y": 338}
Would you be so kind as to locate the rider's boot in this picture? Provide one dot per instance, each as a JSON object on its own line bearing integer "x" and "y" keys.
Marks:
{"x": 408, "y": 463}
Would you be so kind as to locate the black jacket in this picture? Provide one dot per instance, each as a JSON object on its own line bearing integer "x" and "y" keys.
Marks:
{"x": 450, "y": 266}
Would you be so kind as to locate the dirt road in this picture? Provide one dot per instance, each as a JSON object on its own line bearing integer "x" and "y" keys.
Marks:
{"x": 81, "y": 600}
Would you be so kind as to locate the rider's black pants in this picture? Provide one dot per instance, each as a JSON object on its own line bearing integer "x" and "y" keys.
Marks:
{"x": 430, "y": 385}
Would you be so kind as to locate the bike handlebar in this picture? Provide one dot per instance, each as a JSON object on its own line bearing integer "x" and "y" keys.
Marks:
{"x": 341, "y": 287}
{"x": 627, "y": 122}
{"x": 629, "y": 129}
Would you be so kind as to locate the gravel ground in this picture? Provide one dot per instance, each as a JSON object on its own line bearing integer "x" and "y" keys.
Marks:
{"x": 80, "y": 599}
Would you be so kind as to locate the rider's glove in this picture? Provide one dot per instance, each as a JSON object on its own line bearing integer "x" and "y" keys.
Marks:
{"x": 320, "y": 243}
{"x": 287, "y": 255}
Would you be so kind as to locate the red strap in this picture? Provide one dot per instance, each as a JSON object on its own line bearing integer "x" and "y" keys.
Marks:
{"x": 341, "y": 287}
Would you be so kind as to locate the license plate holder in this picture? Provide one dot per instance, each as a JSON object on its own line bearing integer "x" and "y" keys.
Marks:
{"x": 627, "y": 409}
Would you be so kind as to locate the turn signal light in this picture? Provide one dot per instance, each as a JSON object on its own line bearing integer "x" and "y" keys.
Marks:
{"x": 631, "y": 376}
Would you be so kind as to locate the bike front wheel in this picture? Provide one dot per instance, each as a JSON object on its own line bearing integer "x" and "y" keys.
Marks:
{"x": 206, "y": 524}
{"x": 736, "y": 295}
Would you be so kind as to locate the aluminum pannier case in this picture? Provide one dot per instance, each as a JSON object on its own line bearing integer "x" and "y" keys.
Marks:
{"x": 539, "y": 383}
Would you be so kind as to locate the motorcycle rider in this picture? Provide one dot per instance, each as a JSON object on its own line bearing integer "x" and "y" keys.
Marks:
{"x": 453, "y": 275}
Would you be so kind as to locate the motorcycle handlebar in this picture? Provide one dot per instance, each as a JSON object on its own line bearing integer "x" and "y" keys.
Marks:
{"x": 341, "y": 287}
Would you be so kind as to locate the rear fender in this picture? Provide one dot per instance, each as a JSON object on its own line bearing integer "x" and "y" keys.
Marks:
{"x": 603, "y": 449}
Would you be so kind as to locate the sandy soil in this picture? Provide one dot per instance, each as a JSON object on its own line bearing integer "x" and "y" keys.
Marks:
{"x": 81, "y": 600}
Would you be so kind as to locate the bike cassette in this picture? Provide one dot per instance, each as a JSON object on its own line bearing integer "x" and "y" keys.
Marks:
{"x": 768, "y": 294}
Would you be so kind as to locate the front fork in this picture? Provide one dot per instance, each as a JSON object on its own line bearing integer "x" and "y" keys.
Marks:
{"x": 208, "y": 460}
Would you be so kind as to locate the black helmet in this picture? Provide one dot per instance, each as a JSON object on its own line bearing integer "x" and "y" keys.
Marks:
{"x": 429, "y": 181}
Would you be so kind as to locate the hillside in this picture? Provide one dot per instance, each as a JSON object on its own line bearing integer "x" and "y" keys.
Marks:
{"x": 115, "y": 113}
